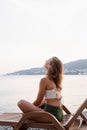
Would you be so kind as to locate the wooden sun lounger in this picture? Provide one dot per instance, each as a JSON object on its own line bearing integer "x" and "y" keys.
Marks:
{"x": 20, "y": 120}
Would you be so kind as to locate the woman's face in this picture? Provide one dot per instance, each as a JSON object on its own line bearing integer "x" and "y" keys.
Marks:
{"x": 47, "y": 64}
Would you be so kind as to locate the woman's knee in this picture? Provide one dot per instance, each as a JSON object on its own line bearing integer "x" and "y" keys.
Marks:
{"x": 20, "y": 103}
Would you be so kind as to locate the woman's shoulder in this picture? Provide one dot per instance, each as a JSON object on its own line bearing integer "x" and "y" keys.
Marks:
{"x": 44, "y": 80}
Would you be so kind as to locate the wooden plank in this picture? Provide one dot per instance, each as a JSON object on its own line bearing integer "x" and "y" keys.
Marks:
{"x": 10, "y": 119}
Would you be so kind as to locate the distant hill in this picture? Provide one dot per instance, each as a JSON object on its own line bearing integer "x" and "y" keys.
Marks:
{"x": 31, "y": 71}
{"x": 78, "y": 67}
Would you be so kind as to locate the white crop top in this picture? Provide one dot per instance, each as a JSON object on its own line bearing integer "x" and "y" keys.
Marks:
{"x": 52, "y": 93}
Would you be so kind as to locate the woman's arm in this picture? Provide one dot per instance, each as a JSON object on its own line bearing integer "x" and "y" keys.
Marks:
{"x": 42, "y": 104}
{"x": 42, "y": 87}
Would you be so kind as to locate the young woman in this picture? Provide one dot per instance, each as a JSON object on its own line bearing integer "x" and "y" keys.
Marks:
{"x": 49, "y": 93}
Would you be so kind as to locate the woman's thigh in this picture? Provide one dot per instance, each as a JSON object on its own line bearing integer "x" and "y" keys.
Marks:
{"x": 26, "y": 106}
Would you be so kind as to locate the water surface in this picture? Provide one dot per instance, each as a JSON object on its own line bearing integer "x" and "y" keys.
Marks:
{"x": 14, "y": 88}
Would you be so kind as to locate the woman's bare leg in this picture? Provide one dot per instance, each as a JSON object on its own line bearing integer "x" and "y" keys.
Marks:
{"x": 26, "y": 106}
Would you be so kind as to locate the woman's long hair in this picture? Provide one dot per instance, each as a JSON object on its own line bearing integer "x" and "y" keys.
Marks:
{"x": 55, "y": 72}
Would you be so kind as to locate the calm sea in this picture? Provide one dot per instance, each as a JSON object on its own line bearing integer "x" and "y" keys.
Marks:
{"x": 14, "y": 88}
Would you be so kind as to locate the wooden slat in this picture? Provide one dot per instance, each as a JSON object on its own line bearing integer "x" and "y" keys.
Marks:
{"x": 41, "y": 125}
{"x": 10, "y": 119}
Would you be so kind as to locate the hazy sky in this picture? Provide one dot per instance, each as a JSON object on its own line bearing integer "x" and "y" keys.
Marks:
{"x": 32, "y": 31}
